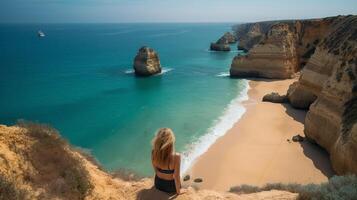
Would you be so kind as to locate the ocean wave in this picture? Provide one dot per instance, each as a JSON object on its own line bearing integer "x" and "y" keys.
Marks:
{"x": 223, "y": 74}
{"x": 232, "y": 113}
{"x": 129, "y": 71}
{"x": 163, "y": 71}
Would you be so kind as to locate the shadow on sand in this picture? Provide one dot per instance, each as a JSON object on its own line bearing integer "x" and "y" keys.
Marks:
{"x": 317, "y": 154}
{"x": 319, "y": 157}
{"x": 296, "y": 114}
{"x": 153, "y": 193}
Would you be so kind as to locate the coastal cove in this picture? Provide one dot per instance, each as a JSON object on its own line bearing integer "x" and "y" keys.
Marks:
{"x": 79, "y": 79}
{"x": 264, "y": 152}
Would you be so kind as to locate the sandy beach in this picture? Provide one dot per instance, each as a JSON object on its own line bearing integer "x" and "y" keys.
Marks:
{"x": 256, "y": 151}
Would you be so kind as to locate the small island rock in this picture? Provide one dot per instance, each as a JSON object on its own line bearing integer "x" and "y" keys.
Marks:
{"x": 223, "y": 43}
{"x": 231, "y": 39}
{"x": 147, "y": 62}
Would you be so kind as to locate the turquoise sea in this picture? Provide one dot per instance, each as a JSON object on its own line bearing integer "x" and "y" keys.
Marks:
{"x": 79, "y": 79}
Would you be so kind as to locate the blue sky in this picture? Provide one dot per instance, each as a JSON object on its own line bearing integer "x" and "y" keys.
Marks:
{"x": 52, "y": 11}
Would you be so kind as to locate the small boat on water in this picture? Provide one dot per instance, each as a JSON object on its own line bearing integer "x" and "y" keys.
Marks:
{"x": 41, "y": 34}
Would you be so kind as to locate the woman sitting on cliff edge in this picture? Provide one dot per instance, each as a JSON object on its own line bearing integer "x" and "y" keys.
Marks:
{"x": 166, "y": 162}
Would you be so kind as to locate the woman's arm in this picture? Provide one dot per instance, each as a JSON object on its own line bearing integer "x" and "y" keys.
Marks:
{"x": 177, "y": 173}
{"x": 152, "y": 163}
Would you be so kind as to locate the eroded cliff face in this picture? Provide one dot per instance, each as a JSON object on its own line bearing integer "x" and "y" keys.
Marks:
{"x": 328, "y": 87}
{"x": 326, "y": 51}
{"x": 274, "y": 57}
{"x": 250, "y": 34}
{"x": 278, "y": 49}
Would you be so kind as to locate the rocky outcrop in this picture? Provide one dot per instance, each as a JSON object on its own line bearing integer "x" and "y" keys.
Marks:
{"x": 222, "y": 43}
{"x": 277, "y": 49}
{"x": 220, "y": 47}
{"x": 275, "y": 97}
{"x": 231, "y": 39}
{"x": 275, "y": 57}
{"x": 250, "y": 34}
{"x": 147, "y": 62}
{"x": 300, "y": 96}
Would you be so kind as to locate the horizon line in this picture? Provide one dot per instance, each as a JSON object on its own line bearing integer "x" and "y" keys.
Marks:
{"x": 174, "y": 22}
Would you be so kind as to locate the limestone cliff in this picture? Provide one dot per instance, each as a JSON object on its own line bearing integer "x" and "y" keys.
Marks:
{"x": 328, "y": 87}
{"x": 146, "y": 62}
{"x": 274, "y": 57}
{"x": 36, "y": 163}
{"x": 250, "y": 34}
{"x": 277, "y": 49}
{"x": 326, "y": 51}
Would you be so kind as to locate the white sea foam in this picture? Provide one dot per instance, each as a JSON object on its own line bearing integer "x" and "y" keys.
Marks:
{"x": 163, "y": 71}
{"x": 223, "y": 74}
{"x": 232, "y": 113}
{"x": 129, "y": 71}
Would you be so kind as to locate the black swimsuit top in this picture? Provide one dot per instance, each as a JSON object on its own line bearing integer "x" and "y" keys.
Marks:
{"x": 165, "y": 171}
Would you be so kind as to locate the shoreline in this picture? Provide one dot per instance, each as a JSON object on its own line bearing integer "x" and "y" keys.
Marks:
{"x": 245, "y": 154}
{"x": 231, "y": 113}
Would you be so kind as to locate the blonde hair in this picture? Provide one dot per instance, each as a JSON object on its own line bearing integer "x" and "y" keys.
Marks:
{"x": 163, "y": 146}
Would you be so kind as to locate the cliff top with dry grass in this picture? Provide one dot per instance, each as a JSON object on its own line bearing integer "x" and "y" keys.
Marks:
{"x": 36, "y": 163}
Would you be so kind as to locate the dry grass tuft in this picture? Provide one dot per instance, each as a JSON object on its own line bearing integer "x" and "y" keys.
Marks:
{"x": 9, "y": 190}
{"x": 59, "y": 171}
{"x": 338, "y": 187}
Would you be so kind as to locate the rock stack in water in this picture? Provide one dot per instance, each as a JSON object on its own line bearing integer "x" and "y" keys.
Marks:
{"x": 223, "y": 43}
{"x": 147, "y": 62}
{"x": 231, "y": 39}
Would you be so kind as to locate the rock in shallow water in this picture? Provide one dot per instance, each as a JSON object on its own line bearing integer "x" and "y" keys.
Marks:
{"x": 147, "y": 62}
{"x": 230, "y": 37}
{"x": 223, "y": 43}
